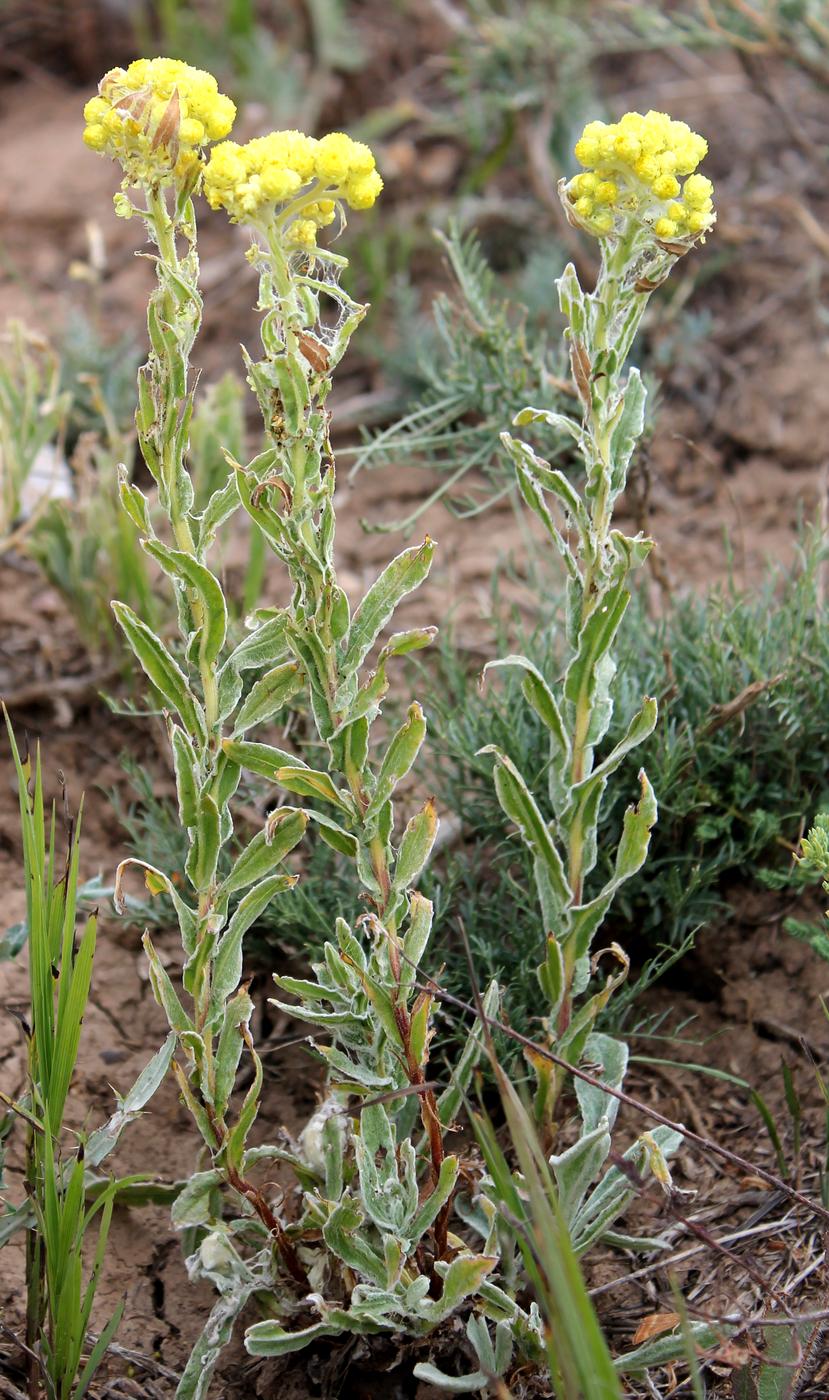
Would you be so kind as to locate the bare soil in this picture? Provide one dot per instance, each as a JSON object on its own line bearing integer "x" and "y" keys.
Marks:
{"x": 738, "y": 459}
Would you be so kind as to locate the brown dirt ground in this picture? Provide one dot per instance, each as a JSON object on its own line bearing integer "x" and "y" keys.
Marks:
{"x": 739, "y": 457}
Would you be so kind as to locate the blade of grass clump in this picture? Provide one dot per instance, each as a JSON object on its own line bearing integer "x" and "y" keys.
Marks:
{"x": 58, "y": 1306}
{"x": 577, "y": 1354}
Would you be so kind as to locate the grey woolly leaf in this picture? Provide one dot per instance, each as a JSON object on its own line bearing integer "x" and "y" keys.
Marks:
{"x": 308, "y": 782}
{"x": 263, "y": 759}
{"x": 398, "y": 578}
{"x": 267, "y": 849}
{"x": 186, "y": 766}
{"x": 452, "y": 1385}
{"x": 415, "y": 639}
{"x": 188, "y": 571}
{"x": 560, "y": 421}
{"x": 401, "y": 753}
{"x": 203, "y": 855}
{"x": 539, "y": 695}
{"x": 333, "y": 834}
{"x": 665, "y": 1349}
{"x": 611, "y": 1055}
{"x": 192, "y": 1205}
{"x": 415, "y": 846}
{"x": 421, "y": 1221}
{"x": 415, "y": 939}
{"x": 343, "y": 1235}
{"x": 270, "y": 1339}
{"x": 164, "y": 673}
{"x": 198, "y": 1373}
{"x": 105, "y": 1139}
{"x": 227, "y": 969}
{"x": 642, "y": 725}
{"x": 607, "y": 1202}
{"x": 461, "y": 1279}
{"x": 268, "y": 696}
{"x": 639, "y": 819}
{"x": 219, "y": 508}
{"x": 576, "y": 1169}
{"x": 596, "y": 637}
{"x": 451, "y": 1099}
{"x": 237, "y": 1013}
{"x": 628, "y": 429}
{"x": 230, "y": 690}
{"x": 520, "y": 806}
{"x": 134, "y": 501}
{"x": 571, "y": 299}
{"x": 265, "y": 646}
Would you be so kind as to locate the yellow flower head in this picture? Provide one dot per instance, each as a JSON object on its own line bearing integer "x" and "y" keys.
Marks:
{"x": 271, "y": 173}
{"x": 155, "y": 117}
{"x": 634, "y": 169}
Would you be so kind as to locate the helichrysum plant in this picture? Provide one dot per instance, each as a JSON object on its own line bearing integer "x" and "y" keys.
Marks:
{"x": 631, "y": 198}
{"x": 368, "y": 1244}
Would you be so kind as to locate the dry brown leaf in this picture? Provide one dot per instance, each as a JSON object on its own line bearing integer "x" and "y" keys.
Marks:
{"x": 654, "y": 1325}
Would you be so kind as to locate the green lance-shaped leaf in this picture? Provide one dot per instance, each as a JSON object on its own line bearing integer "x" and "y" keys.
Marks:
{"x": 269, "y": 695}
{"x": 387, "y": 1173}
{"x": 461, "y": 1279}
{"x": 159, "y": 666}
{"x": 552, "y": 977}
{"x": 612, "y": 1056}
{"x": 415, "y": 639}
{"x": 186, "y": 766}
{"x": 627, "y": 430}
{"x": 187, "y": 570}
{"x": 308, "y": 782}
{"x": 415, "y": 939}
{"x": 595, "y": 641}
{"x": 263, "y": 646}
{"x": 571, "y": 299}
{"x": 289, "y": 379}
{"x": 398, "y": 759}
{"x": 344, "y": 1234}
{"x": 434, "y": 1203}
{"x": 203, "y": 856}
{"x": 227, "y": 969}
{"x": 157, "y": 883}
{"x": 263, "y": 759}
{"x": 105, "y": 1139}
{"x": 402, "y": 575}
{"x": 219, "y": 508}
{"x": 452, "y": 1097}
{"x": 636, "y": 833}
{"x": 559, "y": 421}
{"x": 640, "y": 727}
{"x": 533, "y": 496}
{"x": 577, "y": 1168}
{"x": 539, "y": 695}
{"x": 335, "y": 835}
{"x": 520, "y": 806}
{"x": 164, "y": 991}
{"x": 134, "y": 501}
{"x": 237, "y": 1013}
{"x": 415, "y": 846}
{"x": 284, "y": 831}
{"x": 194, "y": 1205}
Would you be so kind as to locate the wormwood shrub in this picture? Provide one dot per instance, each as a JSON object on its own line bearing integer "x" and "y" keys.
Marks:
{"x": 377, "y": 1235}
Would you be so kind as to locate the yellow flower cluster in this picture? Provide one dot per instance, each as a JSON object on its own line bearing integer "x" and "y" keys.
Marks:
{"x": 634, "y": 168}
{"x": 250, "y": 181}
{"x": 155, "y": 116}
